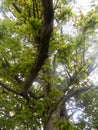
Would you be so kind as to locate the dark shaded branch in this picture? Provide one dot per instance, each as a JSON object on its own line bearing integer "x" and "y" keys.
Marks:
{"x": 48, "y": 11}
{"x": 9, "y": 89}
{"x": 16, "y": 8}
{"x": 45, "y": 35}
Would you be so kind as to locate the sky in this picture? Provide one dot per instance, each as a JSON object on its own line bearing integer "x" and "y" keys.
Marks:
{"x": 84, "y": 5}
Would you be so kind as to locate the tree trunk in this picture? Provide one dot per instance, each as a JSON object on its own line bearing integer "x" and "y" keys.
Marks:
{"x": 58, "y": 115}
{"x": 51, "y": 123}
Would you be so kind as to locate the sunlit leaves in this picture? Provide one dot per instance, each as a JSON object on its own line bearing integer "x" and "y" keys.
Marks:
{"x": 88, "y": 24}
{"x": 64, "y": 14}
{"x": 62, "y": 73}
{"x": 34, "y": 25}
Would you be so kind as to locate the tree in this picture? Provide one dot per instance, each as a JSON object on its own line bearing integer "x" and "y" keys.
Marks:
{"x": 89, "y": 117}
{"x": 41, "y": 68}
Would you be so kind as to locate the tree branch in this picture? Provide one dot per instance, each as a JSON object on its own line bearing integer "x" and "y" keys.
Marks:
{"x": 56, "y": 4}
{"x": 9, "y": 89}
{"x": 45, "y": 35}
{"x": 76, "y": 93}
{"x": 16, "y": 8}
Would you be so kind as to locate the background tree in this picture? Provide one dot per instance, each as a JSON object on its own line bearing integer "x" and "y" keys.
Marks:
{"x": 41, "y": 67}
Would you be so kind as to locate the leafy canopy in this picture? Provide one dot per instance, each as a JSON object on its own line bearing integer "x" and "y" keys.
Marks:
{"x": 41, "y": 66}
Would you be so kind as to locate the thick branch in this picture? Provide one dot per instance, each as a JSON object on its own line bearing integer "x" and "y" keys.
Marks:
{"x": 45, "y": 35}
{"x": 76, "y": 93}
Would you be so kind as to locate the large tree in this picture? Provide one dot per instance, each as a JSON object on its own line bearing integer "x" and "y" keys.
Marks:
{"x": 41, "y": 67}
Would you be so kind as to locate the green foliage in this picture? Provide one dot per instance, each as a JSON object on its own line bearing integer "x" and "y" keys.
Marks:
{"x": 64, "y": 72}
{"x": 89, "y": 102}
{"x": 65, "y": 125}
{"x": 87, "y": 24}
{"x": 64, "y": 14}
{"x": 35, "y": 24}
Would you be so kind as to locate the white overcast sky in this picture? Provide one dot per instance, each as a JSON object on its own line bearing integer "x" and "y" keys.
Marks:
{"x": 84, "y": 5}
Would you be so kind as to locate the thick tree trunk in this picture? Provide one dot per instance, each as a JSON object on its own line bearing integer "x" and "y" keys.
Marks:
{"x": 51, "y": 123}
{"x": 58, "y": 114}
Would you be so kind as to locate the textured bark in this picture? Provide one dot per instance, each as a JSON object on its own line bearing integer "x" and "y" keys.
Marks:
{"x": 57, "y": 115}
{"x": 50, "y": 124}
